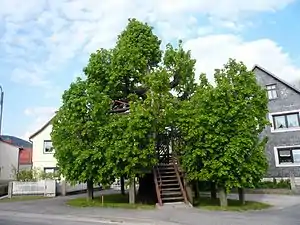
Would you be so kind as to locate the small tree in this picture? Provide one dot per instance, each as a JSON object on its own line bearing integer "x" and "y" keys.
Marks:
{"x": 78, "y": 133}
{"x": 222, "y": 130}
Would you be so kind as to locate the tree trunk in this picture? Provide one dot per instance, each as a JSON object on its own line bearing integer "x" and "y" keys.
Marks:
{"x": 132, "y": 191}
{"x": 122, "y": 186}
{"x": 213, "y": 190}
{"x": 189, "y": 192}
{"x": 90, "y": 190}
{"x": 196, "y": 186}
{"x": 223, "y": 197}
{"x": 242, "y": 195}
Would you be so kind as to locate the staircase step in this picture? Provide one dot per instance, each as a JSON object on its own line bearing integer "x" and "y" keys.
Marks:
{"x": 164, "y": 168}
{"x": 172, "y": 198}
{"x": 171, "y": 189}
{"x": 168, "y": 172}
{"x": 170, "y": 181}
{"x": 174, "y": 193}
{"x": 170, "y": 185}
{"x": 168, "y": 176}
{"x": 166, "y": 165}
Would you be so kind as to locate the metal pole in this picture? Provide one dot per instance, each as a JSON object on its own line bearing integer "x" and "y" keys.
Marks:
{"x": 1, "y": 105}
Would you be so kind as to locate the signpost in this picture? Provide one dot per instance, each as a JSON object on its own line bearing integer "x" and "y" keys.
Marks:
{"x": 1, "y": 105}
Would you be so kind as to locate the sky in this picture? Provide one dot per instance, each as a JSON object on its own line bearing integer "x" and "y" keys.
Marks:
{"x": 44, "y": 45}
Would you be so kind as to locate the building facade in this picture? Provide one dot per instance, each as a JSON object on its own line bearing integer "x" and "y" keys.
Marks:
{"x": 42, "y": 149}
{"x": 25, "y": 158}
{"x": 283, "y": 148}
{"x": 9, "y": 161}
{"x": 25, "y": 150}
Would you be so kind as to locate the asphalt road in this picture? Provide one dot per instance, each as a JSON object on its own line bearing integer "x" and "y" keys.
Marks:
{"x": 38, "y": 222}
{"x": 15, "y": 218}
{"x": 55, "y": 211}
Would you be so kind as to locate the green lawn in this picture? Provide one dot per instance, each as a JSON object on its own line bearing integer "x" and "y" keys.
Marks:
{"x": 233, "y": 205}
{"x": 21, "y": 198}
{"x": 114, "y": 201}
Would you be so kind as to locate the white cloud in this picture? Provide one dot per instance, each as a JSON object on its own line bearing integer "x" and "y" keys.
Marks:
{"x": 34, "y": 111}
{"x": 40, "y": 116}
{"x": 213, "y": 51}
{"x": 42, "y": 36}
{"x": 16, "y": 10}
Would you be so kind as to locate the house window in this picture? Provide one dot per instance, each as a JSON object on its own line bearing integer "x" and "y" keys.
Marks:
{"x": 290, "y": 155}
{"x": 272, "y": 91}
{"x": 285, "y": 121}
{"x": 48, "y": 148}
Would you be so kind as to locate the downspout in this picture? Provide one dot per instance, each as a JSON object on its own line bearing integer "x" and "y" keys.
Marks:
{"x": 18, "y": 169}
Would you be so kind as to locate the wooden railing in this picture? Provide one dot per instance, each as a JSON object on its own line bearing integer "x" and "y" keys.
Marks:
{"x": 175, "y": 164}
{"x": 157, "y": 186}
{"x": 159, "y": 177}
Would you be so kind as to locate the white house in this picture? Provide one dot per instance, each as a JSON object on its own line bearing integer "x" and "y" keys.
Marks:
{"x": 43, "y": 156}
{"x": 42, "y": 149}
{"x": 9, "y": 161}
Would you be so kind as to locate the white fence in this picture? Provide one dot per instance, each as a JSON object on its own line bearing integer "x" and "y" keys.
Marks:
{"x": 116, "y": 185}
{"x": 76, "y": 187}
{"x": 63, "y": 187}
{"x": 49, "y": 188}
{"x": 43, "y": 187}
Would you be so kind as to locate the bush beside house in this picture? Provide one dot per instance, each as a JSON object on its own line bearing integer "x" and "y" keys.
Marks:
{"x": 35, "y": 175}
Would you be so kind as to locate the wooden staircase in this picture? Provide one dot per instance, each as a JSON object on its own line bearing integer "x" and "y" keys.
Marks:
{"x": 168, "y": 182}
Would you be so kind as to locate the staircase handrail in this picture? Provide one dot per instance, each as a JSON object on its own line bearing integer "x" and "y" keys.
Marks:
{"x": 159, "y": 177}
{"x": 157, "y": 187}
{"x": 179, "y": 180}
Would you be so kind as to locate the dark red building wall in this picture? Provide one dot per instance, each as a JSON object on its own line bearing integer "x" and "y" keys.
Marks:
{"x": 25, "y": 156}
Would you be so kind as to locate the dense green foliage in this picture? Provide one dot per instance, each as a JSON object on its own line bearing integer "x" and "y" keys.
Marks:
{"x": 217, "y": 127}
{"x": 94, "y": 144}
{"x": 221, "y": 126}
{"x": 79, "y": 128}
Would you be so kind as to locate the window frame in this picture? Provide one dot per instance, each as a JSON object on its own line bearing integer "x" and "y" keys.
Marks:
{"x": 286, "y": 120}
{"x": 44, "y": 147}
{"x": 286, "y": 114}
{"x": 271, "y": 90}
{"x": 286, "y": 148}
{"x": 55, "y": 169}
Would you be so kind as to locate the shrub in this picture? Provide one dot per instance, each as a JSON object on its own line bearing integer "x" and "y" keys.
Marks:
{"x": 282, "y": 184}
{"x": 34, "y": 175}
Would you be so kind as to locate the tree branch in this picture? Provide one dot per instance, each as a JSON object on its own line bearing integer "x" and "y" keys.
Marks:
{"x": 141, "y": 92}
{"x": 119, "y": 110}
{"x": 176, "y": 79}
